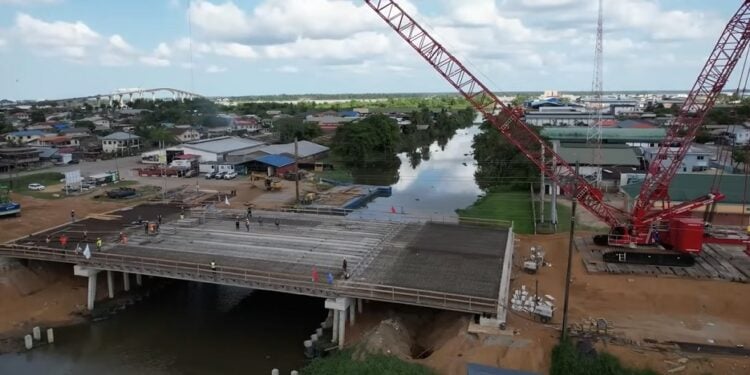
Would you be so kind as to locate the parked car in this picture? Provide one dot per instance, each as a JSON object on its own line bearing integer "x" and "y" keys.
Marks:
{"x": 230, "y": 175}
{"x": 35, "y": 186}
{"x": 221, "y": 175}
{"x": 210, "y": 175}
{"x": 74, "y": 161}
{"x": 189, "y": 173}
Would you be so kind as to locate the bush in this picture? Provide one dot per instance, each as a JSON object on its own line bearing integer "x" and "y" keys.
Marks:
{"x": 343, "y": 364}
{"x": 567, "y": 360}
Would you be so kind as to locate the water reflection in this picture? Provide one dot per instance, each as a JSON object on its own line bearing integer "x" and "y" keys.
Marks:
{"x": 441, "y": 182}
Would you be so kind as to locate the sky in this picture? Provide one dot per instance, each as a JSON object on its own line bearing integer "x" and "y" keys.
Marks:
{"x": 52, "y": 49}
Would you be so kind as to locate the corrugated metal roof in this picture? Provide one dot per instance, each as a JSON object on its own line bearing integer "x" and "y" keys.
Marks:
{"x": 610, "y": 154}
{"x": 304, "y": 149}
{"x": 120, "y": 136}
{"x": 222, "y": 145}
{"x": 688, "y": 186}
{"x": 277, "y": 161}
{"x": 26, "y": 133}
{"x": 615, "y": 134}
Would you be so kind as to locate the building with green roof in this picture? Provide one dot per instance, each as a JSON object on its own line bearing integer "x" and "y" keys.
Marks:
{"x": 609, "y": 135}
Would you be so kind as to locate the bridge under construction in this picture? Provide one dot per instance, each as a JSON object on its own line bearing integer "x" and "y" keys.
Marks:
{"x": 438, "y": 265}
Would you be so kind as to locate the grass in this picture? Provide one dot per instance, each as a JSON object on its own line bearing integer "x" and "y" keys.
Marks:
{"x": 567, "y": 360}
{"x": 338, "y": 173}
{"x": 341, "y": 363}
{"x": 512, "y": 206}
{"x": 21, "y": 183}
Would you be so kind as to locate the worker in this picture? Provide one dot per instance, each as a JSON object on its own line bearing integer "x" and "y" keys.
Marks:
{"x": 247, "y": 224}
{"x": 276, "y": 222}
{"x": 330, "y": 278}
{"x": 120, "y": 237}
{"x": 72, "y": 216}
{"x": 145, "y": 227}
{"x": 343, "y": 265}
{"x": 249, "y": 212}
{"x": 237, "y": 223}
{"x": 159, "y": 218}
{"x": 85, "y": 235}
{"x": 99, "y": 244}
{"x": 63, "y": 240}
{"x": 182, "y": 216}
{"x": 314, "y": 274}
{"x": 49, "y": 239}
{"x": 213, "y": 267}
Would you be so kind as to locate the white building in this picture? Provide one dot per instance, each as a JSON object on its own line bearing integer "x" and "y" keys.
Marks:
{"x": 121, "y": 143}
{"x": 736, "y": 134}
{"x": 217, "y": 149}
{"x": 185, "y": 134}
{"x": 697, "y": 159}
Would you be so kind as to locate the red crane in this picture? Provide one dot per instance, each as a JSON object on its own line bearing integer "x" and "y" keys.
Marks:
{"x": 634, "y": 227}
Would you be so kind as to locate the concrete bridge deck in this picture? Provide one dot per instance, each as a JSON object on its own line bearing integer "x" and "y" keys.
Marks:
{"x": 447, "y": 266}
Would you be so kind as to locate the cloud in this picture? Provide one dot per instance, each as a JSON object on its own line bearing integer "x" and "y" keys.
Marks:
{"x": 215, "y": 69}
{"x": 288, "y": 69}
{"x": 237, "y": 50}
{"x": 117, "y": 43}
{"x": 154, "y": 61}
{"x": 356, "y": 47}
{"x": 72, "y": 40}
{"x": 280, "y": 21}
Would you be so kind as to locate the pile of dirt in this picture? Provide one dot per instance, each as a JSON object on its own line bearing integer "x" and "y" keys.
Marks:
{"x": 390, "y": 337}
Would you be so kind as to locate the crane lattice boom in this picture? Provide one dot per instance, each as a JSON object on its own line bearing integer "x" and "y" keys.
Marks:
{"x": 501, "y": 116}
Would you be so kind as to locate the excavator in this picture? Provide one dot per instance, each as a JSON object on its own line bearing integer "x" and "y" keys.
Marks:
{"x": 644, "y": 226}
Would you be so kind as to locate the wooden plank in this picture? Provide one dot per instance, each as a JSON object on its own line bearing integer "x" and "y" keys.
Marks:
{"x": 721, "y": 257}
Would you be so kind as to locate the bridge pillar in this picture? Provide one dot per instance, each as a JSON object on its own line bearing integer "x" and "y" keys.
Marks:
{"x": 91, "y": 274}
{"x": 335, "y": 333}
{"x": 110, "y": 284}
{"x": 352, "y": 313}
{"x": 359, "y": 305}
{"x": 138, "y": 279}
{"x": 339, "y": 307}
{"x": 126, "y": 281}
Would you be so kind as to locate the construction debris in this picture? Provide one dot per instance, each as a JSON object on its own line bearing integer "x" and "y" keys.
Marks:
{"x": 543, "y": 307}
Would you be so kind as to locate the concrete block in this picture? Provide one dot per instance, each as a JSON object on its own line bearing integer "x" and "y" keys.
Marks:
{"x": 50, "y": 336}
{"x": 37, "y": 333}
{"x": 79, "y": 270}
{"x": 28, "y": 342}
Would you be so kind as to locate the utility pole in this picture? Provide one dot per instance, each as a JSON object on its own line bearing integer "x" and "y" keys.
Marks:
{"x": 541, "y": 187}
{"x": 296, "y": 171}
{"x": 553, "y": 203}
{"x": 570, "y": 258}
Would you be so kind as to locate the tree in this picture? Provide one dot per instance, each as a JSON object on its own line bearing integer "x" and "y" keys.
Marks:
{"x": 500, "y": 165}
{"x": 294, "y": 127}
{"x": 38, "y": 115}
{"x": 370, "y": 140}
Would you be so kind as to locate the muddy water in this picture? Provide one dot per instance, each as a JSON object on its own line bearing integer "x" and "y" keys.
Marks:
{"x": 188, "y": 328}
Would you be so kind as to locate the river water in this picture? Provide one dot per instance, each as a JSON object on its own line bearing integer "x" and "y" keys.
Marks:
{"x": 188, "y": 328}
{"x": 436, "y": 187}
{"x": 193, "y": 328}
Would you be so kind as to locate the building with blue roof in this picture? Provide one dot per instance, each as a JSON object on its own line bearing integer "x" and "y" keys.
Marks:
{"x": 274, "y": 165}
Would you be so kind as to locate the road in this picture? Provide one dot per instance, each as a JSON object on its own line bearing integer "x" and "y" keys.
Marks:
{"x": 87, "y": 168}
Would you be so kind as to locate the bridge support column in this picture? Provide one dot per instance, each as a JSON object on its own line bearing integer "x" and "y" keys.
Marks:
{"x": 138, "y": 279}
{"x": 126, "y": 281}
{"x": 352, "y": 314}
{"x": 110, "y": 284}
{"x": 91, "y": 274}
{"x": 335, "y": 333}
{"x": 339, "y": 307}
{"x": 359, "y": 305}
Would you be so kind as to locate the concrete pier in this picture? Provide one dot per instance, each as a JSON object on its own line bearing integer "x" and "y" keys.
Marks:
{"x": 126, "y": 281}
{"x": 339, "y": 307}
{"x": 110, "y": 285}
{"x": 359, "y": 305}
{"x": 91, "y": 273}
{"x": 352, "y": 313}
{"x": 335, "y": 328}
{"x": 342, "y": 329}
{"x": 138, "y": 279}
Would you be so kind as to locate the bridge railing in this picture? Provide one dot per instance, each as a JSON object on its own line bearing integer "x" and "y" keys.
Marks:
{"x": 288, "y": 282}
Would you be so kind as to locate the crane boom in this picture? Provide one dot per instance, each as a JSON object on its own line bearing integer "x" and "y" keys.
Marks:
{"x": 502, "y": 117}
{"x": 701, "y": 99}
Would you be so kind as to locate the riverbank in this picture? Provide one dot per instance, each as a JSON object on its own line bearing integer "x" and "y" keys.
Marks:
{"x": 515, "y": 206}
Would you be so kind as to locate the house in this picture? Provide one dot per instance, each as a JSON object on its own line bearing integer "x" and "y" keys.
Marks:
{"x": 734, "y": 134}
{"x": 327, "y": 121}
{"x": 18, "y": 157}
{"x": 275, "y": 165}
{"x": 183, "y": 135}
{"x": 249, "y": 123}
{"x": 121, "y": 143}
{"x": 75, "y": 132}
{"x": 697, "y": 159}
{"x": 55, "y": 141}
{"x": 24, "y": 136}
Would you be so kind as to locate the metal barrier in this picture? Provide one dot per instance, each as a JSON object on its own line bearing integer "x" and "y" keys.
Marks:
{"x": 289, "y": 283}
